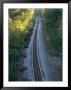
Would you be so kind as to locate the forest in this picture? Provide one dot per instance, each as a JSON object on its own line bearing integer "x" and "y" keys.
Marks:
{"x": 21, "y": 23}
{"x": 52, "y": 27}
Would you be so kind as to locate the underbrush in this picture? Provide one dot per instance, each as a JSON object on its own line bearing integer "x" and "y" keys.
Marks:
{"x": 52, "y": 28}
{"x": 18, "y": 40}
{"x": 53, "y": 44}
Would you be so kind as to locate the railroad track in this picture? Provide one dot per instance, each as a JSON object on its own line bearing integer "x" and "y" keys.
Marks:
{"x": 36, "y": 65}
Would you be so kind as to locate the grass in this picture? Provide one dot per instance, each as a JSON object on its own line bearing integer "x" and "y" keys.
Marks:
{"x": 17, "y": 41}
{"x": 53, "y": 39}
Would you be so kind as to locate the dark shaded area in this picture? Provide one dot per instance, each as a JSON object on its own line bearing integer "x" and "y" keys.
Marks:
{"x": 28, "y": 88}
{"x": 69, "y": 40}
{"x": 35, "y": 1}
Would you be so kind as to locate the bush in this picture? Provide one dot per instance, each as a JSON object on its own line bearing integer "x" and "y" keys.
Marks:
{"x": 21, "y": 23}
{"x": 53, "y": 27}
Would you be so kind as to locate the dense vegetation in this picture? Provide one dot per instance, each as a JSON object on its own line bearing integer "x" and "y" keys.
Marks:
{"x": 52, "y": 21}
{"x": 21, "y": 23}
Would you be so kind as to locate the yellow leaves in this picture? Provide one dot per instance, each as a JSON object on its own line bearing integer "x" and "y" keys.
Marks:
{"x": 20, "y": 20}
{"x": 17, "y": 23}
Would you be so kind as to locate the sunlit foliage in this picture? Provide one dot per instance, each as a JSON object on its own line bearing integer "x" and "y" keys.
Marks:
{"x": 21, "y": 23}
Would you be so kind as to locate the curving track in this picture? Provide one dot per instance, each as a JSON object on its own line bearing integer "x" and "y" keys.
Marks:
{"x": 39, "y": 65}
{"x": 36, "y": 67}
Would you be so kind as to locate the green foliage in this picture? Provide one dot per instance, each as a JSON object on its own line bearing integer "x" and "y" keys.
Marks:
{"x": 19, "y": 19}
{"x": 13, "y": 68}
{"x": 53, "y": 27}
{"x": 21, "y": 23}
{"x": 13, "y": 54}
